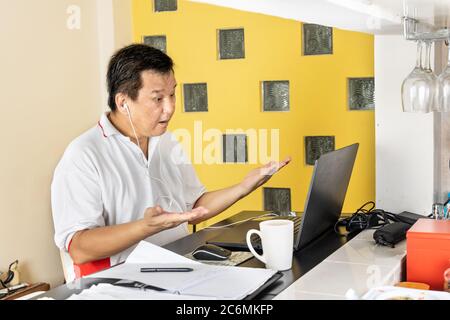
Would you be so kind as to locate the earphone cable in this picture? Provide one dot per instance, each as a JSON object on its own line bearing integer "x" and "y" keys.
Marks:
{"x": 170, "y": 196}
{"x": 242, "y": 221}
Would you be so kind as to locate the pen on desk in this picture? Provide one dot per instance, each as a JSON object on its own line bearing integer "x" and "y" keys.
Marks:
{"x": 166, "y": 269}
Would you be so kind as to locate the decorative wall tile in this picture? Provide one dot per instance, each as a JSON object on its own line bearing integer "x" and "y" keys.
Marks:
{"x": 361, "y": 93}
{"x": 317, "y": 39}
{"x": 234, "y": 148}
{"x": 165, "y": 5}
{"x": 231, "y": 44}
{"x": 275, "y": 95}
{"x": 158, "y": 42}
{"x": 195, "y": 97}
{"x": 316, "y": 146}
{"x": 277, "y": 200}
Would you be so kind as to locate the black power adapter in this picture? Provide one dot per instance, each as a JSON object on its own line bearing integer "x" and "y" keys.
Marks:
{"x": 409, "y": 217}
{"x": 392, "y": 233}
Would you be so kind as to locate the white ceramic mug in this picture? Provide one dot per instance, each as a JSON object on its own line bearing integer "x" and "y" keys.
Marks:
{"x": 277, "y": 238}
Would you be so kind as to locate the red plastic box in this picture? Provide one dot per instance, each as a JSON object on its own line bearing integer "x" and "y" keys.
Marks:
{"x": 428, "y": 252}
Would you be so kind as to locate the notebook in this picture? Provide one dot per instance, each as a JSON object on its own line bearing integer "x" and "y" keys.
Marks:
{"x": 218, "y": 282}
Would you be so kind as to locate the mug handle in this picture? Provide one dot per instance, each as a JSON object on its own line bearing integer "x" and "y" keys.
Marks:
{"x": 249, "y": 244}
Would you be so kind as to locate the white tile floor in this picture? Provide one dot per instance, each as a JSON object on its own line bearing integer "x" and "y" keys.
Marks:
{"x": 359, "y": 265}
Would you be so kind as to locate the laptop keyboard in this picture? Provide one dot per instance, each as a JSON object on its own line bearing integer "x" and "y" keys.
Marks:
{"x": 256, "y": 240}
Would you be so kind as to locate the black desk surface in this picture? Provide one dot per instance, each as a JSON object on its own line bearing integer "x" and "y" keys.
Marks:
{"x": 303, "y": 260}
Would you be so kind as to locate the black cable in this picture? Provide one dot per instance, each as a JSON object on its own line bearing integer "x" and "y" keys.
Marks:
{"x": 5, "y": 287}
{"x": 364, "y": 218}
{"x": 364, "y": 205}
{"x": 357, "y": 217}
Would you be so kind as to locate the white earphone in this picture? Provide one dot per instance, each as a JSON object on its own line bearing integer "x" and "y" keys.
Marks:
{"x": 131, "y": 122}
{"x": 172, "y": 199}
{"x": 126, "y": 108}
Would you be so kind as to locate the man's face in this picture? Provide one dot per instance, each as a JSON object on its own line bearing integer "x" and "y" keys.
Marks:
{"x": 155, "y": 104}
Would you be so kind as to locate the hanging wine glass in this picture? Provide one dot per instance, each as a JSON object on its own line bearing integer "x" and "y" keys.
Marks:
{"x": 444, "y": 86}
{"x": 432, "y": 79}
{"x": 418, "y": 89}
{"x": 411, "y": 83}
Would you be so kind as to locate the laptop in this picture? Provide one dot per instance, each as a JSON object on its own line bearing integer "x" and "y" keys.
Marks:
{"x": 323, "y": 206}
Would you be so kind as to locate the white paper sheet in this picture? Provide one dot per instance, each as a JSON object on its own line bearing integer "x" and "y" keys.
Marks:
{"x": 171, "y": 281}
{"x": 205, "y": 280}
{"x": 146, "y": 252}
{"x": 231, "y": 283}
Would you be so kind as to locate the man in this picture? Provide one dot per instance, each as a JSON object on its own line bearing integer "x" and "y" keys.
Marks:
{"x": 126, "y": 180}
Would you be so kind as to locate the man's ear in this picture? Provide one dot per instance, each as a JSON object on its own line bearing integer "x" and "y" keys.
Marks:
{"x": 121, "y": 102}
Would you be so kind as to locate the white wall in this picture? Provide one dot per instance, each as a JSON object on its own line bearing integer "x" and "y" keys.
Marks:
{"x": 52, "y": 88}
{"x": 404, "y": 141}
{"x": 442, "y": 136}
{"x": 375, "y": 16}
{"x": 123, "y": 26}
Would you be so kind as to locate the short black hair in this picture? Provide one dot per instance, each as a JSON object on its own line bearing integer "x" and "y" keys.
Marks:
{"x": 126, "y": 67}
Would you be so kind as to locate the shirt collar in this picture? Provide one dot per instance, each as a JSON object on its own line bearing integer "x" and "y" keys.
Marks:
{"x": 106, "y": 127}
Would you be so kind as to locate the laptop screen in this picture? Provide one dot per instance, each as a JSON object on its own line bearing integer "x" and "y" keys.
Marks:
{"x": 326, "y": 195}
{"x": 323, "y": 206}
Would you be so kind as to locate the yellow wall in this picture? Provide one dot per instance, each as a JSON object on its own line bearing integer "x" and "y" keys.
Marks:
{"x": 318, "y": 92}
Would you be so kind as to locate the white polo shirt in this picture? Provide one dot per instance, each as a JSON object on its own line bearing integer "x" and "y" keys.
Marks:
{"x": 103, "y": 179}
